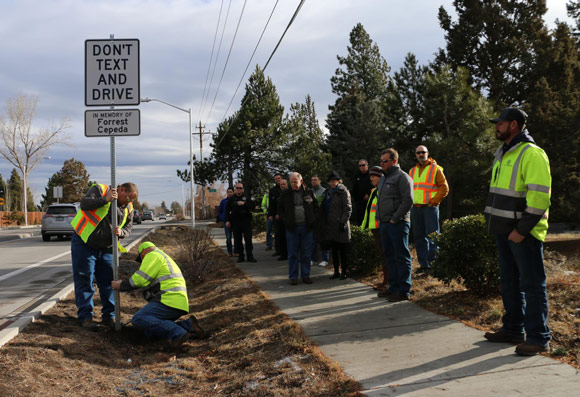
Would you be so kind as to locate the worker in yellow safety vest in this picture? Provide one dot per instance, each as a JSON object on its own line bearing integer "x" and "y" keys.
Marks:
{"x": 429, "y": 189}
{"x": 517, "y": 213}
{"x": 371, "y": 222}
{"x": 164, "y": 287}
{"x": 91, "y": 247}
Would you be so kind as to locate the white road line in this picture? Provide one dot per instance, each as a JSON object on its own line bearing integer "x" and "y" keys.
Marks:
{"x": 15, "y": 272}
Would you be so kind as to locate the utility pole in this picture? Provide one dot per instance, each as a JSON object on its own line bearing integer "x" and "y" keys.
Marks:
{"x": 201, "y": 133}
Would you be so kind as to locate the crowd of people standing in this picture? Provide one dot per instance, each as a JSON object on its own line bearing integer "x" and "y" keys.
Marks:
{"x": 386, "y": 200}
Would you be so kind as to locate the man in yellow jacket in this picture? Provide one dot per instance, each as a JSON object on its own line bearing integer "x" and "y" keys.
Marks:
{"x": 429, "y": 189}
{"x": 517, "y": 213}
{"x": 164, "y": 287}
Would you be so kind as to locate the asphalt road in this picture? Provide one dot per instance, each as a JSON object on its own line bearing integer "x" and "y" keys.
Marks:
{"x": 32, "y": 271}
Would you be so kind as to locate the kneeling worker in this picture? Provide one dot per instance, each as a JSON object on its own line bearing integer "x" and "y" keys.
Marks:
{"x": 164, "y": 287}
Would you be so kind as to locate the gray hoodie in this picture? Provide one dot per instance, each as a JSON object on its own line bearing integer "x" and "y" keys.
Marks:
{"x": 395, "y": 195}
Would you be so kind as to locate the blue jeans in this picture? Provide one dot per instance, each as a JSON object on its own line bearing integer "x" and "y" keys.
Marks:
{"x": 269, "y": 237}
{"x": 395, "y": 241}
{"x": 523, "y": 288}
{"x": 228, "y": 231}
{"x": 299, "y": 244}
{"x": 425, "y": 220}
{"x": 325, "y": 254}
{"x": 90, "y": 264}
{"x": 158, "y": 321}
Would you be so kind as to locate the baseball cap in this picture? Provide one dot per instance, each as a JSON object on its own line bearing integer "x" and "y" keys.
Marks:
{"x": 511, "y": 114}
{"x": 143, "y": 247}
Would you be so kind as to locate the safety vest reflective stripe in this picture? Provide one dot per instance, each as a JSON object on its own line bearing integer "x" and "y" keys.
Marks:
{"x": 507, "y": 192}
{"x": 176, "y": 289}
{"x": 424, "y": 186}
{"x": 83, "y": 218}
{"x": 539, "y": 188}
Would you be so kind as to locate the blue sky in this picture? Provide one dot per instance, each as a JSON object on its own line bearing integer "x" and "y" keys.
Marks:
{"x": 42, "y": 54}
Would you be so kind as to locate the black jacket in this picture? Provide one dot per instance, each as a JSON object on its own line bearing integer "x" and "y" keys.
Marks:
{"x": 273, "y": 197}
{"x": 362, "y": 186}
{"x": 235, "y": 212}
{"x": 286, "y": 208}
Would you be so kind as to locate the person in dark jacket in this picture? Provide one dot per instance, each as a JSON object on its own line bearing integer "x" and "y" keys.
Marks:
{"x": 222, "y": 218}
{"x": 336, "y": 209}
{"x": 272, "y": 210}
{"x": 394, "y": 202}
{"x": 239, "y": 218}
{"x": 361, "y": 191}
{"x": 297, "y": 209}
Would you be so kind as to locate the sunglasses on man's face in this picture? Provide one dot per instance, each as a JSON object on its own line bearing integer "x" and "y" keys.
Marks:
{"x": 421, "y": 152}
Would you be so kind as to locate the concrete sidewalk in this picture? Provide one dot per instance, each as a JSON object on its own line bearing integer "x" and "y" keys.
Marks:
{"x": 396, "y": 349}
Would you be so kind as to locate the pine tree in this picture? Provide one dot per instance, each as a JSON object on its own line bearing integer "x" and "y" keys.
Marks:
{"x": 305, "y": 153}
{"x": 554, "y": 119}
{"x": 460, "y": 138}
{"x": 356, "y": 121}
{"x": 496, "y": 40}
{"x": 405, "y": 109}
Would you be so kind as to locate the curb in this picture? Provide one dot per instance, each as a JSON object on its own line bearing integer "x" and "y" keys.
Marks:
{"x": 18, "y": 236}
{"x": 12, "y": 328}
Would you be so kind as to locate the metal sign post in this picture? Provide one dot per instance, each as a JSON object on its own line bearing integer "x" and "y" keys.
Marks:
{"x": 112, "y": 78}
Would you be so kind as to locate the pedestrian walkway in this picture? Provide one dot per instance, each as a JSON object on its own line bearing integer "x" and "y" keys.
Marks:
{"x": 395, "y": 349}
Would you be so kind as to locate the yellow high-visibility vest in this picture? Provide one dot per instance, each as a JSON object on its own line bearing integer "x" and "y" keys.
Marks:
{"x": 520, "y": 182}
{"x": 85, "y": 222}
{"x": 424, "y": 183}
{"x": 162, "y": 280}
{"x": 371, "y": 212}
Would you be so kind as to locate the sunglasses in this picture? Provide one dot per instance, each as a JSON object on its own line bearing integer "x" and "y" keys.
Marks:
{"x": 239, "y": 187}
{"x": 363, "y": 165}
{"x": 421, "y": 152}
{"x": 385, "y": 161}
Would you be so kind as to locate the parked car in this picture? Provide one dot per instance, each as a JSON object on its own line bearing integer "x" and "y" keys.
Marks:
{"x": 136, "y": 217}
{"x": 162, "y": 216}
{"x": 147, "y": 216}
{"x": 56, "y": 221}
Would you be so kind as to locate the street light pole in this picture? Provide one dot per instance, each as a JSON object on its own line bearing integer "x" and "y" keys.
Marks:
{"x": 190, "y": 155}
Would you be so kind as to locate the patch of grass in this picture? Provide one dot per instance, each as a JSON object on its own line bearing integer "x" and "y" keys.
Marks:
{"x": 253, "y": 348}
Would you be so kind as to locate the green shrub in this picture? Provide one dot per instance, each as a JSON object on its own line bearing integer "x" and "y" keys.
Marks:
{"x": 467, "y": 253}
{"x": 258, "y": 222}
{"x": 363, "y": 257}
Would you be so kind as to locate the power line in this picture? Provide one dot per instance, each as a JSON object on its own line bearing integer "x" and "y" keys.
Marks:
{"x": 217, "y": 56}
{"x": 264, "y": 69}
{"x": 211, "y": 57}
{"x": 250, "y": 61}
{"x": 227, "y": 59}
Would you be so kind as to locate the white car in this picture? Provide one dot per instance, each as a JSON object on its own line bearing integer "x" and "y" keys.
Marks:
{"x": 162, "y": 216}
{"x": 56, "y": 221}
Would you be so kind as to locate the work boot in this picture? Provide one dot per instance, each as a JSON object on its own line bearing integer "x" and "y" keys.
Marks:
{"x": 531, "y": 349}
{"x": 384, "y": 293}
{"x": 307, "y": 280}
{"x": 175, "y": 343}
{"x": 241, "y": 259}
{"x": 108, "y": 322}
{"x": 89, "y": 324}
{"x": 197, "y": 330}
{"x": 502, "y": 336}
{"x": 397, "y": 297}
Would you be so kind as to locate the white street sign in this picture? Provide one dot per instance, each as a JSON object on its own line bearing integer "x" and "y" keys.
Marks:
{"x": 114, "y": 122}
{"x": 112, "y": 72}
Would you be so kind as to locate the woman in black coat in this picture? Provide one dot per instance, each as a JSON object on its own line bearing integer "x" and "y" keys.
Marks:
{"x": 335, "y": 210}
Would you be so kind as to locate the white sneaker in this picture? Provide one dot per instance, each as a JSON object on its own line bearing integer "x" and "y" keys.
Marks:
{"x": 323, "y": 264}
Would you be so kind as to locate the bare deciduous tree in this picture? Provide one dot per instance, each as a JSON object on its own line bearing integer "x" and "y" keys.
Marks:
{"x": 22, "y": 145}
